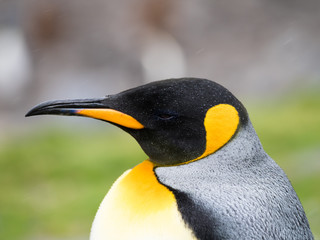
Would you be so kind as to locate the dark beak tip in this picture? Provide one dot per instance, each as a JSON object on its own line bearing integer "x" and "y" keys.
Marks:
{"x": 64, "y": 107}
{"x": 33, "y": 111}
{"x": 28, "y": 114}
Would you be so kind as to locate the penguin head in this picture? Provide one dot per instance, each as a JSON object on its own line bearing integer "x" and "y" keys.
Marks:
{"x": 175, "y": 121}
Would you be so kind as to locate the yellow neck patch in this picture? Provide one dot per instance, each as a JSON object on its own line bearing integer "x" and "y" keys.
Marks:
{"x": 139, "y": 207}
{"x": 143, "y": 193}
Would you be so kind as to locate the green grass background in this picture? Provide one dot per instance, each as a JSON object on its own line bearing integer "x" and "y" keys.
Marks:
{"x": 53, "y": 179}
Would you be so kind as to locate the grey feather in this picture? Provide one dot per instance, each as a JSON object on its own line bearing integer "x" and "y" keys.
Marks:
{"x": 247, "y": 195}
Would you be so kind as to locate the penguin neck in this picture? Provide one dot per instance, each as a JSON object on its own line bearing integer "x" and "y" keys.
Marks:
{"x": 245, "y": 145}
{"x": 239, "y": 154}
{"x": 242, "y": 147}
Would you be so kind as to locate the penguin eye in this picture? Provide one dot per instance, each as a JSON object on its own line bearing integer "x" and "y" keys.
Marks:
{"x": 165, "y": 116}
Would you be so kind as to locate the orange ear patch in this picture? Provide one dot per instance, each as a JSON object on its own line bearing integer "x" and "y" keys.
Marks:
{"x": 221, "y": 123}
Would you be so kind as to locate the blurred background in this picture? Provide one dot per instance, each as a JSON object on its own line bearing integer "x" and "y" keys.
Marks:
{"x": 54, "y": 171}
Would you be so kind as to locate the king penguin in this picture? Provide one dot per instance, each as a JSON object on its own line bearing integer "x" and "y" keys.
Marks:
{"x": 207, "y": 175}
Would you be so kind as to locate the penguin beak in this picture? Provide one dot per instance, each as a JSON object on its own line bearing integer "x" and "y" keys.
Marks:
{"x": 93, "y": 108}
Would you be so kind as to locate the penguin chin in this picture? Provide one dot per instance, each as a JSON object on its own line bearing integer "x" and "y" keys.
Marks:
{"x": 165, "y": 157}
{"x": 167, "y": 152}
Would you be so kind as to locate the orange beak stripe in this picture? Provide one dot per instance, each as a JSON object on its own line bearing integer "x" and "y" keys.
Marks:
{"x": 111, "y": 115}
